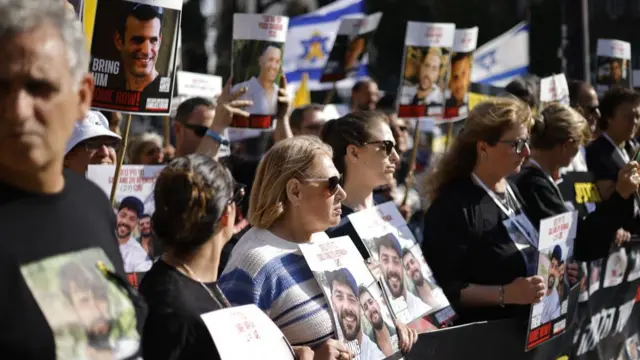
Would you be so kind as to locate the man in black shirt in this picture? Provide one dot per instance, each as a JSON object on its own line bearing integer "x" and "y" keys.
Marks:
{"x": 51, "y": 218}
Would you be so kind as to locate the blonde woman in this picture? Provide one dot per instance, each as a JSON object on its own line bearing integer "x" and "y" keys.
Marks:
{"x": 477, "y": 238}
{"x": 145, "y": 149}
{"x": 555, "y": 139}
{"x": 296, "y": 193}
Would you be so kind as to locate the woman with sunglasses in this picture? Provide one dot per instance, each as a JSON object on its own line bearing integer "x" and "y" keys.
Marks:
{"x": 364, "y": 153}
{"x": 477, "y": 238}
{"x": 195, "y": 199}
{"x": 296, "y": 194}
{"x": 555, "y": 139}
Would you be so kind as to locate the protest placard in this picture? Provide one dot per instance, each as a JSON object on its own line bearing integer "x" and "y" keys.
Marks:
{"x": 246, "y": 332}
{"x": 612, "y": 64}
{"x": 464, "y": 43}
{"x": 350, "y": 47}
{"x": 408, "y": 282}
{"x": 134, "y": 207}
{"x": 554, "y": 88}
{"x": 425, "y": 69}
{"x": 555, "y": 248}
{"x": 256, "y": 64}
{"x": 361, "y": 313}
{"x": 133, "y": 55}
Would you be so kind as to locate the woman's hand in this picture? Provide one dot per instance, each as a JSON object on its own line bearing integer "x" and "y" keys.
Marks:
{"x": 303, "y": 353}
{"x": 628, "y": 180}
{"x": 332, "y": 350}
{"x": 228, "y": 105}
{"x": 525, "y": 291}
{"x": 407, "y": 337}
{"x": 622, "y": 236}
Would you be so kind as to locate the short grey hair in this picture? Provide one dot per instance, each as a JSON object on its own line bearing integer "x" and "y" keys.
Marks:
{"x": 20, "y": 16}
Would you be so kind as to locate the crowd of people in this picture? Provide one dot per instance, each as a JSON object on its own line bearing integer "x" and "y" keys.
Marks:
{"x": 226, "y": 230}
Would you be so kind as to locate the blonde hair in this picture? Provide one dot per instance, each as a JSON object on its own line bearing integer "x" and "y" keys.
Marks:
{"x": 488, "y": 121}
{"x": 288, "y": 159}
{"x": 556, "y": 124}
{"x": 139, "y": 142}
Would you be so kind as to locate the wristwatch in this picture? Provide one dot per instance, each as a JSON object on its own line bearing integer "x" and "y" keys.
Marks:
{"x": 217, "y": 137}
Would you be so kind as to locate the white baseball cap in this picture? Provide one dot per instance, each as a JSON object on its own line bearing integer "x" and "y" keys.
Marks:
{"x": 93, "y": 125}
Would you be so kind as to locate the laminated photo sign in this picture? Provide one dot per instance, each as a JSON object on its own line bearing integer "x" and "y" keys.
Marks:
{"x": 246, "y": 332}
{"x": 408, "y": 282}
{"x": 360, "y": 311}
{"x": 457, "y": 94}
{"x": 548, "y": 317}
{"x": 612, "y": 64}
{"x": 256, "y": 64}
{"x": 133, "y": 55}
{"x": 350, "y": 47}
{"x": 134, "y": 207}
{"x": 554, "y": 89}
{"x": 425, "y": 68}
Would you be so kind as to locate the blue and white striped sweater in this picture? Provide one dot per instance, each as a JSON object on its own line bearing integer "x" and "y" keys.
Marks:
{"x": 271, "y": 273}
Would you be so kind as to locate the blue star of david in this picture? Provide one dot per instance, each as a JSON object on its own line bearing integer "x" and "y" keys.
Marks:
{"x": 487, "y": 60}
{"x": 314, "y": 39}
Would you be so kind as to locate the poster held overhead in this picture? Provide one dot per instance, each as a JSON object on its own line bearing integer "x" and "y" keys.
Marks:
{"x": 350, "y": 47}
{"x": 133, "y": 55}
{"x": 554, "y": 89}
{"x": 464, "y": 43}
{"x": 425, "y": 69}
{"x": 548, "y": 317}
{"x": 256, "y": 64}
{"x": 612, "y": 64}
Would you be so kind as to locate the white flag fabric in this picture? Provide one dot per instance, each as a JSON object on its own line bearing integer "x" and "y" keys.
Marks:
{"x": 310, "y": 39}
{"x": 502, "y": 59}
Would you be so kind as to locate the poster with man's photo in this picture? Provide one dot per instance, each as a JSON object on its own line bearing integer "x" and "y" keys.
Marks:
{"x": 360, "y": 311}
{"x": 90, "y": 316}
{"x": 554, "y": 88}
{"x": 457, "y": 94}
{"x": 613, "y": 67}
{"x": 408, "y": 281}
{"x": 350, "y": 47}
{"x": 133, "y": 55}
{"x": 548, "y": 317}
{"x": 425, "y": 69}
{"x": 256, "y": 64}
{"x": 616, "y": 268}
{"x": 246, "y": 332}
{"x": 634, "y": 260}
{"x": 134, "y": 208}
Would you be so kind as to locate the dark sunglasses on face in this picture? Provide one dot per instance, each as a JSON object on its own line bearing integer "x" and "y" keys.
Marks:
{"x": 199, "y": 130}
{"x": 97, "y": 145}
{"x": 332, "y": 183}
{"x": 387, "y": 144}
{"x": 518, "y": 145}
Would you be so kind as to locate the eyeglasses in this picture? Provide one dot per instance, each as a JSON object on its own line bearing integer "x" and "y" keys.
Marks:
{"x": 332, "y": 183}
{"x": 93, "y": 145}
{"x": 387, "y": 144}
{"x": 199, "y": 130}
{"x": 403, "y": 128}
{"x": 518, "y": 144}
{"x": 238, "y": 193}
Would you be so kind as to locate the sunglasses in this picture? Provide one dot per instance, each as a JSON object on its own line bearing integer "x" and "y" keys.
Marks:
{"x": 518, "y": 144}
{"x": 238, "y": 193}
{"x": 332, "y": 183}
{"x": 199, "y": 130}
{"x": 387, "y": 144}
{"x": 97, "y": 145}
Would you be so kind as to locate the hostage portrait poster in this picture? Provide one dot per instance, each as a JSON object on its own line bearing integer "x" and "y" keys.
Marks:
{"x": 133, "y": 55}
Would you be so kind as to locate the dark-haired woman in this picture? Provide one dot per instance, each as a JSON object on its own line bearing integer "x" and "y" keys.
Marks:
{"x": 477, "y": 238}
{"x": 555, "y": 139}
{"x": 364, "y": 153}
{"x": 195, "y": 200}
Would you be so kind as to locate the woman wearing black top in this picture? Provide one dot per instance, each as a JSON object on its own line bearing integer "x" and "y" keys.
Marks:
{"x": 555, "y": 140}
{"x": 477, "y": 238}
{"x": 195, "y": 200}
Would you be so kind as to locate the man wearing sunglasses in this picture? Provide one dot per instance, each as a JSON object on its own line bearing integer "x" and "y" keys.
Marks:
{"x": 584, "y": 99}
{"x": 193, "y": 118}
{"x": 92, "y": 143}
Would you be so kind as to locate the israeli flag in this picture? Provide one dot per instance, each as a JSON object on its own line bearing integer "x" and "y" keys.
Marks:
{"x": 502, "y": 59}
{"x": 310, "y": 39}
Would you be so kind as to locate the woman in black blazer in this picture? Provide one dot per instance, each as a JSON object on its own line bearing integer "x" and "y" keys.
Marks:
{"x": 555, "y": 139}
